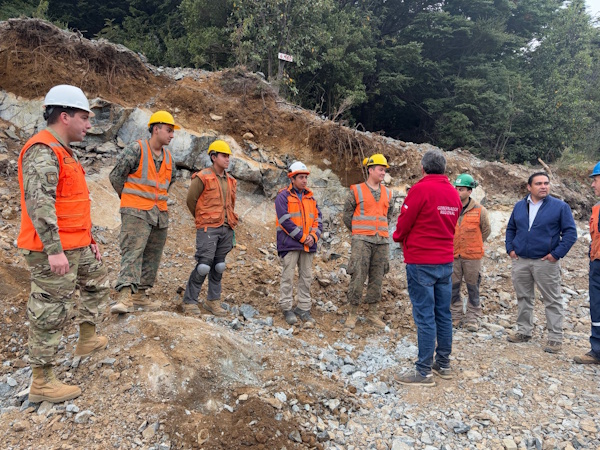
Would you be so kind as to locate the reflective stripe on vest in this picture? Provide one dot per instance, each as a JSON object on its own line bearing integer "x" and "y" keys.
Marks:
{"x": 468, "y": 240}
{"x": 146, "y": 188}
{"x": 594, "y": 233}
{"x": 370, "y": 216}
{"x": 302, "y": 212}
{"x": 72, "y": 205}
{"x": 210, "y": 207}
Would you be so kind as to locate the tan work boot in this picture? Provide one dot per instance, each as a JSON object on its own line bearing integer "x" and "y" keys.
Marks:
{"x": 46, "y": 388}
{"x": 124, "y": 302}
{"x": 89, "y": 341}
{"x": 214, "y": 307}
{"x": 141, "y": 302}
{"x": 352, "y": 316}
{"x": 192, "y": 308}
{"x": 373, "y": 317}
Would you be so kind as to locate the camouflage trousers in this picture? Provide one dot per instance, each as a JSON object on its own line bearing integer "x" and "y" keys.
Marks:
{"x": 52, "y": 299}
{"x": 142, "y": 246}
{"x": 367, "y": 260}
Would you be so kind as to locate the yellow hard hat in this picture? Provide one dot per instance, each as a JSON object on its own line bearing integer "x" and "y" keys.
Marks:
{"x": 219, "y": 146}
{"x": 163, "y": 117}
{"x": 376, "y": 160}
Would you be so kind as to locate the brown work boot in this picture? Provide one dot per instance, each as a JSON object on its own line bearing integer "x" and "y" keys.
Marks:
{"x": 373, "y": 317}
{"x": 214, "y": 307}
{"x": 518, "y": 338}
{"x": 124, "y": 302}
{"x": 472, "y": 326}
{"x": 352, "y": 316}
{"x": 46, "y": 388}
{"x": 89, "y": 341}
{"x": 191, "y": 308}
{"x": 588, "y": 358}
{"x": 553, "y": 347}
{"x": 141, "y": 302}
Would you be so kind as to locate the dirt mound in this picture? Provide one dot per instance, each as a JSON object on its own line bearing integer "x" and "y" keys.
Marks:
{"x": 50, "y": 56}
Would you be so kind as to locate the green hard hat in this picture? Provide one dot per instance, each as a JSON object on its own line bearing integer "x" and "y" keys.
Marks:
{"x": 465, "y": 180}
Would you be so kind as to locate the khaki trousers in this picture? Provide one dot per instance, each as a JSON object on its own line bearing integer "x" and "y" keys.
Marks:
{"x": 469, "y": 270}
{"x": 546, "y": 275}
{"x": 289, "y": 262}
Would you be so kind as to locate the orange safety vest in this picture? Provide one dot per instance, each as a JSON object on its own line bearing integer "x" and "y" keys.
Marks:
{"x": 595, "y": 245}
{"x": 468, "y": 241}
{"x": 72, "y": 200}
{"x": 370, "y": 217}
{"x": 145, "y": 188}
{"x": 303, "y": 213}
{"x": 209, "y": 208}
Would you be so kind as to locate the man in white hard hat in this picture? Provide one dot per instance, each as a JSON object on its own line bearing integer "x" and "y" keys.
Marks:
{"x": 367, "y": 212}
{"x": 211, "y": 201}
{"x": 142, "y": 177}
{"x": 299, "y": 227}
{"x": 56, "y": 240}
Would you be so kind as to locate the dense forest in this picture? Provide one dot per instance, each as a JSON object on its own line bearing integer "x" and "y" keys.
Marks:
{"x": 509, "y": 80}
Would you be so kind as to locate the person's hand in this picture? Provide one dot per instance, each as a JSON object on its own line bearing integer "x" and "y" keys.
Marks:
{"x": 59, "y": 264}
{"x": 96, "y": 251}
{"x": 513, "y": 255}
{"x": 309, "y": 241}
{"x": 550, "y": 258}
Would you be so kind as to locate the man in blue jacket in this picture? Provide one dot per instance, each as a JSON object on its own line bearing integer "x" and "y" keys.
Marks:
{"x": 540, "y": 232}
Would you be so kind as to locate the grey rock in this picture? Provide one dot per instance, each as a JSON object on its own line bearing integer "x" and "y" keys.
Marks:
{"x": 323, "y": 436}
{"x": 248, "y": 311}
{"x": 295, "y": 436}
{"x": 72, "y": 408}
{"x": 4, "y": 389}
{"x": 83, "y": 416}
{"x": 474, "y": 435}
{"x": 44, "y": 408}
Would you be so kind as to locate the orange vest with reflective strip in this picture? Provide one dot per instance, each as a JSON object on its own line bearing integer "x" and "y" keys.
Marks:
{"x": 468, "y": 240}
{"x": 303, "y": 213}
{"x": 595, "y": 245}
{"x": 370, "y": 216}
{"x": 145, "y": 188}
{"x": 72, "y": 200}
{"x": 210, "y": 212}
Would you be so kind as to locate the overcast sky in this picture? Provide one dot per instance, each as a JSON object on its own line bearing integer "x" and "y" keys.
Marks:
{"x": 593, "y": 7}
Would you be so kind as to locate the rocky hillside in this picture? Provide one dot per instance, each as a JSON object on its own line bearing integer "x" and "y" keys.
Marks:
{"x": 167, "y": 381}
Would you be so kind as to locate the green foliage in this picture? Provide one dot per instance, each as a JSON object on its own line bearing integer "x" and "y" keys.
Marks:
{"x": 509, "y": 80}
{"x": 18, "y": 8}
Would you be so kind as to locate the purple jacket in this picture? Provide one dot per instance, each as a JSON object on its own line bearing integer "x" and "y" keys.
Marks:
{"x": 298, "y": 216}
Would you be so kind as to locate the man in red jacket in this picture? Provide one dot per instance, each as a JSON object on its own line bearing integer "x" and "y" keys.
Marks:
{"x": 425, "y": 229}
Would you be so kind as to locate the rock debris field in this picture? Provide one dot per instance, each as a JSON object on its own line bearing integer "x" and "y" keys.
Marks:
{"x": 169, "y": 381}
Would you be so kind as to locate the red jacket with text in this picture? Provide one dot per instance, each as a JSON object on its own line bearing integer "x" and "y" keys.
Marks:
{"x": 427, "y": 221}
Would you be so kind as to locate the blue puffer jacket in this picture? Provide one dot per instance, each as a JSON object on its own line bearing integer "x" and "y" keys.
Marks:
{"x": 553, "y": 230}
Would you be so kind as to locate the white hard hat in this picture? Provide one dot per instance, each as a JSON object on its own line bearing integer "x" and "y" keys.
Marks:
{"x": 296, "y": 168}
{"x": 67, "y": 96}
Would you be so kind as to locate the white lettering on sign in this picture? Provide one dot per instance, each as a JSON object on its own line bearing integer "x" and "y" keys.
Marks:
{"x": 285, "y": 57}
{"x": 448, "y": 210}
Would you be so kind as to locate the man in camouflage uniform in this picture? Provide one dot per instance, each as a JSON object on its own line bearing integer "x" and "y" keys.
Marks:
{"x": 367, "y": 213}
{"x": 142, "y": 177}
{"x": 56, "y": 240}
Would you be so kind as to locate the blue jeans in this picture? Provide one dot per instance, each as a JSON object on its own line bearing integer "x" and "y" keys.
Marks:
{"x": 595, "y": 306}
{"x": 430, "y": 291}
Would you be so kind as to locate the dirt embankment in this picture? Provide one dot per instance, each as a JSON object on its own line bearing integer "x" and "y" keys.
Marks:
{"x": 170, "y": 381}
